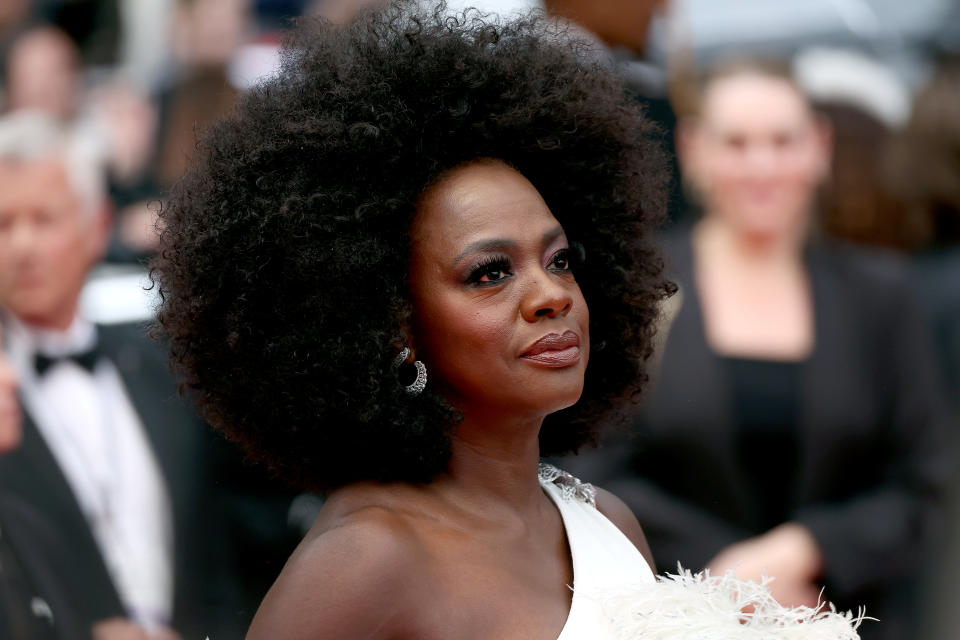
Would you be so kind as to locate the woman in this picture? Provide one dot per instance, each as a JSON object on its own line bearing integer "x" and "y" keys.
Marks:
{"x": 377, "y": 280}
{"x": 793, "y": 428}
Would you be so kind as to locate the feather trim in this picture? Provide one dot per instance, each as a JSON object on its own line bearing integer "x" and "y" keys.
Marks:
{"x": 690, "y": 606}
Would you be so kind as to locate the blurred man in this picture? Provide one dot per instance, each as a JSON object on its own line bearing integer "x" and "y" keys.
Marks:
{"x": 107, "y": 455}
{"x": 35, "y": 600}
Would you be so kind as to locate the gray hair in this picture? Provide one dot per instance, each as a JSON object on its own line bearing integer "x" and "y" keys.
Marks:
{"x": 29, "y": 136}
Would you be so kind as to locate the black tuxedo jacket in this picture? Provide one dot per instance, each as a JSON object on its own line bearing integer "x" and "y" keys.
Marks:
{"x": 178, "y": 440}
{"x": 40, "y": 594}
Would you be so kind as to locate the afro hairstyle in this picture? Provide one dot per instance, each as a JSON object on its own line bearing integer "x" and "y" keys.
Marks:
{"x": 283, "y": 269}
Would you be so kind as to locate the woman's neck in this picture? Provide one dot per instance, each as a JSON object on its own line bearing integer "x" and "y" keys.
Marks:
{"x": 494, "y": 463}
{"x": 715, "y": 237}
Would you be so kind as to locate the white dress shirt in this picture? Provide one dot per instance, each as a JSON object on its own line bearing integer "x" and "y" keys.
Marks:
{"x": 93, "y": 431}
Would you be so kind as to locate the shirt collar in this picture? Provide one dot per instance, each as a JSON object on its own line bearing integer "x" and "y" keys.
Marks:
{"x": 81, "y": 335}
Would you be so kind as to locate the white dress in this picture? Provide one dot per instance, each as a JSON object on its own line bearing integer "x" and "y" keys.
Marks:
{"x": 604, "y": 560}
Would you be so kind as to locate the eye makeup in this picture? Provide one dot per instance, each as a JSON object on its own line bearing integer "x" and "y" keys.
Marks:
{"x": 489, "y": 269}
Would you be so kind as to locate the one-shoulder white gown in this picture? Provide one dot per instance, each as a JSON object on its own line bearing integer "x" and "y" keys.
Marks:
{"x": 604, "y": 559}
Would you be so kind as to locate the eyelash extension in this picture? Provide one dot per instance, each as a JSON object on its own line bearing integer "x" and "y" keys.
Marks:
{"x": 574, "y": 255}
{"x": 564, "y": 254}
{"x": 486, "y": 264}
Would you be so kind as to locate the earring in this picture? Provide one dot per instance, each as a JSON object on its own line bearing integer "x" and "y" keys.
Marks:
{"x": 420, "y": 383}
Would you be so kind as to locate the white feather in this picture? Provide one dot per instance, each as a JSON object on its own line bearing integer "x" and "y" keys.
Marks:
{"x": 690, "y": 606}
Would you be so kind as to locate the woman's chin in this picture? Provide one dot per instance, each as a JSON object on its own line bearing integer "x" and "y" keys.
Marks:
{"x": 564, "y": 399}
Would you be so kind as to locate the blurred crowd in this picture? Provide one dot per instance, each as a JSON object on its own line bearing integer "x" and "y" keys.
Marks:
{"x": 804, "y": 405}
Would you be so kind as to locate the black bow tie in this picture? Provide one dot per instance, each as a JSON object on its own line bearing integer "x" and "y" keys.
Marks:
{"x": 86, "y": 359}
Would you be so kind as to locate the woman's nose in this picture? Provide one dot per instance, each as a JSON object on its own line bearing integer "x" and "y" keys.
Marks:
{"x": 546, "y": 297}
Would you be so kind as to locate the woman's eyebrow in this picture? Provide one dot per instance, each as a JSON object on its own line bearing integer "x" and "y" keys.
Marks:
{"x": 551, "y": 235}
{"x": 504, "y": 244}
{"x": 494, "y": 244}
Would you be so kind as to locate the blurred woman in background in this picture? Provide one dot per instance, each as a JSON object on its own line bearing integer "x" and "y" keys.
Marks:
{"x": 792, "y": 428}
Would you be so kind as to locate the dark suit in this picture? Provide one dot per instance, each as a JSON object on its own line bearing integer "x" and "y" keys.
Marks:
{"x": 870, "y": 460}
{"x": 177, "y": 439}
{"x": 39, "y": 591}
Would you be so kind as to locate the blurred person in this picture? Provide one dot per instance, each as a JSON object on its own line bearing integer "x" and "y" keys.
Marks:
{"x": 95, "y": 25}
{"x": 923, "y": 167}
{"x": 339, "y": 11}
{"x": 43, "y": 73}
{"x": 13, "y": 18}
{"x": 794, "y": 424}
{"x": 207, "y": 35}
{"x": 12, "y": 14}
{"x": 865, "y": 104}
{"x": 37, "y": 601}
{"x": 128, "y": 121}
{"x": 106, "y": 456}
{"x": 619, "y": 23}
{"x": 856, "y": 203}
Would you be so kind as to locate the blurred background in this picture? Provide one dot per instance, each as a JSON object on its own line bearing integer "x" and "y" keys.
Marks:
{"x": 143, "y": 78}
{"x": 136, "y": 81}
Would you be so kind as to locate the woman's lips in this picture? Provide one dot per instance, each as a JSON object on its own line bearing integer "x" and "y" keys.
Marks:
{"x": 555, "y": 350}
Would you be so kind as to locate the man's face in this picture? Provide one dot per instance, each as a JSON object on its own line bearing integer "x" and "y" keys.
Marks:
{"x": 48, "y": 242}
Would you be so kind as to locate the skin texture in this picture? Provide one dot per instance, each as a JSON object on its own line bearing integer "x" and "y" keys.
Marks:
{"x": 470, "y": 313}
{"x": 757, "y": 154}
{"x": 48, "y": 243}
{"x": 481, "y": 551}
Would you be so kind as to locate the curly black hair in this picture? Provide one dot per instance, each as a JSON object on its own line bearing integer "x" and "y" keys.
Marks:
{"x": 285, "y": 249}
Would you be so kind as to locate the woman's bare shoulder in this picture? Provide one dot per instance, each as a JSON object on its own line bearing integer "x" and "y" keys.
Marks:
{"x": 617, "y": 512}
{"x": 349, "y": 577}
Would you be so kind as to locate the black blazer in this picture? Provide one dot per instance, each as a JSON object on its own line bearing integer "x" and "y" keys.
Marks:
{"x": 39, "y": 591}
{"x": 178, "y": 441}
{"x": 871, "y": 459}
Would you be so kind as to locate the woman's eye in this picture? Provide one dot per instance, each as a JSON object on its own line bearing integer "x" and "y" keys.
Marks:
{"x": 492, "y": 275}
{"x": 490, "y": 272}
{"x": 560, "y": 261}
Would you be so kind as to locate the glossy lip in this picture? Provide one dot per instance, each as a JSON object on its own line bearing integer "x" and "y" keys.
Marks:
{"x": 555, "y": 350}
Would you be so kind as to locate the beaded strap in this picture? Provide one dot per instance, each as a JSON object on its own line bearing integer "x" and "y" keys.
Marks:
{"x": 571, "y": 487}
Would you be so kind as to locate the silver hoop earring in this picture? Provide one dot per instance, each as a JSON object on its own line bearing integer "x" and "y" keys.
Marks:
{"x": 420, "y": 383}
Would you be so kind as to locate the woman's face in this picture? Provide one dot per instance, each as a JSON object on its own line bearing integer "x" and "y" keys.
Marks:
{"x": 757, "y": 154}
{"x": 10, "y": 420}
{"x": 500, "y": 321}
